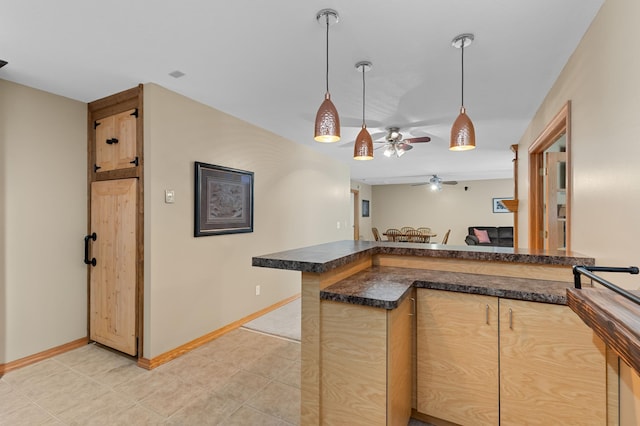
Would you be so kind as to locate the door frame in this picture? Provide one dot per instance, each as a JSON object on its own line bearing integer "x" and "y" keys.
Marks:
{"x": 560, "y": 123}
{"x": 356, "y": 214}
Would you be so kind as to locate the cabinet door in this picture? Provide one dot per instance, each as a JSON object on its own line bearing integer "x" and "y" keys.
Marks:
{"x": 115, "y": 141}
{"x": 353, "y": 342}
{"x": 457, "y": 357}
{"x": 552, "y": 367}
{"x": 112, "y": 282}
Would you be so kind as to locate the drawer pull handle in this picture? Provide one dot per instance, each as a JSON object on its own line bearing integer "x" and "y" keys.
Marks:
{"x": 487, "y": 314}
{"x": 510, "y": 319}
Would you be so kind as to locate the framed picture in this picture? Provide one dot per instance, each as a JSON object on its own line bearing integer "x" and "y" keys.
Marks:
{"x": 499, "y": 207}
{"x": 223, "y": 200}
{"x": 365, "y": 208}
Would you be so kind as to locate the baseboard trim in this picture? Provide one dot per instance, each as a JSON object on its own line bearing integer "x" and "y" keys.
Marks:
{"x": 32, "y": 359}
{"x": 154, "y": 362}
{"x": 430, "y": 419}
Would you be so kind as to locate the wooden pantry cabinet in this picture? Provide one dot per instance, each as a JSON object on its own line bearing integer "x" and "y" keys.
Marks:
{"x": 365, "y": 364}
{"x": 485, "y": 360}
{"x": 114, "y": 244}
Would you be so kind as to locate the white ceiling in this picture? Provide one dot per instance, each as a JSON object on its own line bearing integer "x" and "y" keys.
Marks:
{"x": 264, "y": 62}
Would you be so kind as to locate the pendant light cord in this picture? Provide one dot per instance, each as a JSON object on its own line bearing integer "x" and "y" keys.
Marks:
{"x": 363, "y": 91}
{"x": 462, "y": 96}
{"x": 327, "y": 73}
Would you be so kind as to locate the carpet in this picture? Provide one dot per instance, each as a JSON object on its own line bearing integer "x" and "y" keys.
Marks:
{"x": 283, "y": 322}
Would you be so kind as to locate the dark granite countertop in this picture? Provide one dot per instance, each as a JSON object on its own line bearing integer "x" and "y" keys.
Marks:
{"x": 385, "y": 287}
{"x": 379, "y": 287}
{"x": 325, "y": 257}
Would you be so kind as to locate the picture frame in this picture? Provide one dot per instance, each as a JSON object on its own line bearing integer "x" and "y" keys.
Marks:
{"x": 223, "y": 200}
{"x": 365, "y": 208}
{"x": 499, "y": 207}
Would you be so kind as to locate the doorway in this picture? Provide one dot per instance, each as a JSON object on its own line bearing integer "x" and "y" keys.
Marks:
{"x": 355, "y": 213}
{"x": 549, "y": 185}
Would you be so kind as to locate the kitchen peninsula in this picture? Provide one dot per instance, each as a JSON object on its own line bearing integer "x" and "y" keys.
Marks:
{"x": 390, "y": 329}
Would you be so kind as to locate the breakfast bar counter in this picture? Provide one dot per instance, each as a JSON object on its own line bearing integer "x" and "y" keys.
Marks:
{"x": 359, "y": 306}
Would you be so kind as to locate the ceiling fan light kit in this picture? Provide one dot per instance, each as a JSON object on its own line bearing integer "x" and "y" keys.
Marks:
{"x": 463, "y": 134}
{"x": 327, "y": 125}
{"x": 363, "y": 148}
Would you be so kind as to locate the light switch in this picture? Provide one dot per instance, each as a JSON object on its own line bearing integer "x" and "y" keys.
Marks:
{"x": 169, "y": 196}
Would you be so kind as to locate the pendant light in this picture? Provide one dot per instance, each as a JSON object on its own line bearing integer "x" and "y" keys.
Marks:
{"x": 463, "y": 135}
{"x": 363, "y": 148}
{"x": 327, "y": 128}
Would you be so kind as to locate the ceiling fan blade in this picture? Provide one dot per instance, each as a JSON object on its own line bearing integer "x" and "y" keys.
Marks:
{"x": 404, "y": 146}
{"x": 379, "y": 136}
{"x": 450, "y": 182}
{"x": 421, "y": 139}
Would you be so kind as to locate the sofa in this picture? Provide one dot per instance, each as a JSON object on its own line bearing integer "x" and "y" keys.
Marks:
{"x": 500, "y": 236}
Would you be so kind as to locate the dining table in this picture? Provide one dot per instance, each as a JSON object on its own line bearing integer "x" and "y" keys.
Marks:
{"x": 404, "y": 237}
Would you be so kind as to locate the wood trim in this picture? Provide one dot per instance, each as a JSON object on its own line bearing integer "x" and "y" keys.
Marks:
{"x": 113, "y": 104}
{"x": 560, "y": 122}
{"x": 140, "y": 219}
{"x": 152, "y": 363}
{"x": 32, "y": 359}
{"x": 512, "y": 205}
{"x": 505, "y": 269}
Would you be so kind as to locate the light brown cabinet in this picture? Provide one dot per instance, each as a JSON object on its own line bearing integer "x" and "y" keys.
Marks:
{"x": 116, "y": 221}
{"x": 489, "y": 360}
{"x": 457, "y": 357}
{"x": 115, "y": 141}
{"x": 365, "y": 364}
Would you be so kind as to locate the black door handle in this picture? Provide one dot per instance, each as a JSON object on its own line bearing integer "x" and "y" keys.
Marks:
{"x": 93, "y": 237}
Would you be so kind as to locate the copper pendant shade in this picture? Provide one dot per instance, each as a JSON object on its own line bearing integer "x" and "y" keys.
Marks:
{"x": 327, "y": 127}
{"x": 463, "y": 134}
{"x": 327, "y": 122}
{"x": 363, "y": 148}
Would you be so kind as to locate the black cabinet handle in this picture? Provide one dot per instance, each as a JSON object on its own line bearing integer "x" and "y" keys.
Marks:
{"x": 93, "y": 237}
{"x": 112, "y": 141}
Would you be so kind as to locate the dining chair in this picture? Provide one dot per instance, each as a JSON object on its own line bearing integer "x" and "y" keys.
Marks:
{"x": 415, "y": 236}
{"x": 404, "y": 231}
{"x": 446, "y": 237}
{"x": 426, "y": 231}
{"x": 393, "y": 234}
{"x": 376, "y": 234}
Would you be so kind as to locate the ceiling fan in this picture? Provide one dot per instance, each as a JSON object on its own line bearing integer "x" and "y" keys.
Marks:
{"x": 395, "y": 144}
{"x": 436, "y": 182}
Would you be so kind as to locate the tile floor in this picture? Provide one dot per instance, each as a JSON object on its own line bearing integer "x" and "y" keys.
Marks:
{"x": 242, "y": 378}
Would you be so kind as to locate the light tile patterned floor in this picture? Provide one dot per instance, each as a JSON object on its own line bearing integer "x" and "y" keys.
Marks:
{"x": 241, "y": 378}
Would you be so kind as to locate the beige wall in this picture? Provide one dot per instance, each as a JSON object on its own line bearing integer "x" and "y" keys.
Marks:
{"x": 43, "y": 209}
{"x": 602, "y": 81}
{"x": 196, "y": 285}
{"x": 452, "y": 208}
